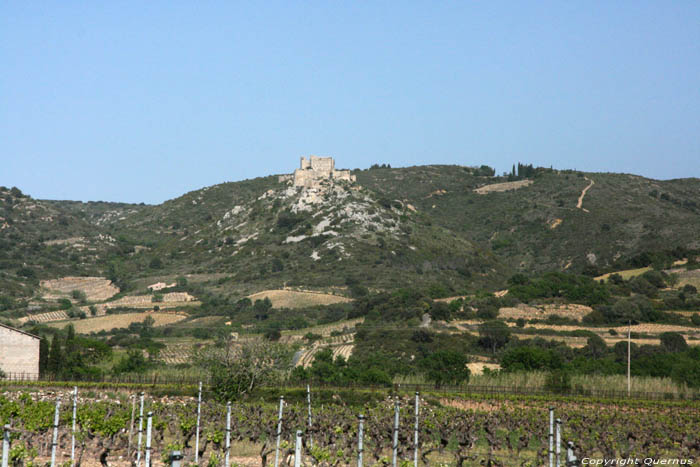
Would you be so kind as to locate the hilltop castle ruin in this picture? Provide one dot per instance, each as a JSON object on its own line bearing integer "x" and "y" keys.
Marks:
{"x": 314, "y": 170}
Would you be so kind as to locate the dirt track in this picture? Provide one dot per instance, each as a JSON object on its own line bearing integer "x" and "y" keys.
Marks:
{"x": 579, "y": 205}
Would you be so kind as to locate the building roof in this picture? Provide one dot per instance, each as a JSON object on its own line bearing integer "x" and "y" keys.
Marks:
{"x": 17, "y": 330}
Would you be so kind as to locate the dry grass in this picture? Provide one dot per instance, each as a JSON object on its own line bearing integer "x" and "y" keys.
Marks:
{"x": 108, "y": 322}
{"x": 505, "y": 186}
{"x": 477, "y": 368}
{"x": 691, "y": 277}
{"x": 294, "y": 299}
{"x": 536, "y": 380}
{"x": 626, "y": 274}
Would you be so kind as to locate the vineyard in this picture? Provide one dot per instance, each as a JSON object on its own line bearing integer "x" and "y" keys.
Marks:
{"x": 451, "y": 431}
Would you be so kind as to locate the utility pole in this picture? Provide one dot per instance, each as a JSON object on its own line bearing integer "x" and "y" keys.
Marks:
{"x": 629, "y": 356}
{"x": 75, "y": 405}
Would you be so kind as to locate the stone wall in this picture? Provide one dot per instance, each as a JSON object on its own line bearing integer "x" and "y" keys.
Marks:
{"x": 313, "y": 171}
{"x": 19, "y": 353}
{"x": 344, "y": 175}
{"x": 324, "y": 165}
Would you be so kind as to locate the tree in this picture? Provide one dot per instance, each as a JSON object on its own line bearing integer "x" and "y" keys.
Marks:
{"x": 261, "y": 308}
{"x": 78, "y": 295}
{"x": 43, "y": 356}
{"x": 147, "y": 327}
{"x": 529, "y": 358}
{"x": 673, "y": 342}
{"x": 237, "y": 368}
{"x": 273, "y": 334}
{"x": 446, "y": 367}
{"x": 55, "y": 355}
{"x": 493, "y": 335}
{"x": 132, "y": 362}
{"x": 596, "y": 347}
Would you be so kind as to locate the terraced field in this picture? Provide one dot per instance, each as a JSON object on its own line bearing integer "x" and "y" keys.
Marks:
{"x": 96, "y": 289}
{"x": 688, "y": 277}
{"x": 297, "y": 299}
{"x": 341, "y": 345}
{"x": 571, "y": 311}
{"x": 108, "y": 322}
{"x": 646, "y": 328}
{"x": 176, "y": 354}
{"x": 326, "y": 329}
{"x": 45, "y": 317}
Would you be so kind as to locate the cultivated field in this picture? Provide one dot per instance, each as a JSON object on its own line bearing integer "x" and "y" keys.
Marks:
{"x": 95, "y": 288}
{"x": 295, "y": 299}
{"x": 45, "y": 317}
{"x": 454, "y": 430}
{"x": 571, "y": 311}
{"x": 108, "y": 322}
{"x": 325, "y": 329}
{"x": 688, "y": 277}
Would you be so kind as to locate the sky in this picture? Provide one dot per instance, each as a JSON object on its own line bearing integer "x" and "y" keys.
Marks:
{"x": 144, "y": 101}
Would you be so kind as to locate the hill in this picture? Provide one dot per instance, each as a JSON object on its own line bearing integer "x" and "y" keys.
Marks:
{"x": 447, "y": 229}
{"x": 537, "y": 226}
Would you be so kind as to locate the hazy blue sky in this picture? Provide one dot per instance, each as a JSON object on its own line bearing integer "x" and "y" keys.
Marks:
{"x": 143, "y": 101}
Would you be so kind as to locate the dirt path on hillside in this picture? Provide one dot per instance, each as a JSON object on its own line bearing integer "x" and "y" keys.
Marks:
{"x": 579, "y": 205}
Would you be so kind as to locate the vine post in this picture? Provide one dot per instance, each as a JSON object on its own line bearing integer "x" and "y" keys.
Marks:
{"x": 308, "y": 402}
{"x": 360, "y": 433}
{"x": 149, "y": 425}
{"x": 415, "y": 432}
{"x": 297, "y": 450}
{"x": 558, "y": 442}
{"x": 395, "y": 444}
{"x": 199, "y": 413}
{"x": 54, "y": 440}
{"x": 551, "y": 437}
{"x": 228, "y": 434}
{"x": 279, "y": 433}
{"x": 72, "y": 440}
{"x": 6, "y": 446}
{"x": 131, "y": 425}
{"x": 138, "y": 451}
{"x": 571, "y": 460}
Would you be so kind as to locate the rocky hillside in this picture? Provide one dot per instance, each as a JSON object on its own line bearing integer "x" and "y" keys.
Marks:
{"x": 41, "y": 239}
{"x": 448, "y": 228}
{"x": 551, "y": 220}
{"x": 265, "y": 233}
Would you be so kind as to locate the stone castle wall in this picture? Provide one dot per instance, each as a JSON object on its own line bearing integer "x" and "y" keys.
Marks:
{"x": 314, "y": 170}
{"x": 19, "y": 353}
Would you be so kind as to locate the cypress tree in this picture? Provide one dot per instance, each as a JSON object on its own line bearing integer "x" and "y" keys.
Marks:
{"x": 55, "y": 356}
{"x": 70, "y": 340}
{"x": 43, "y": 356}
